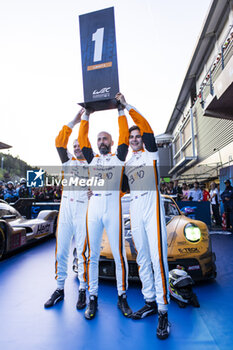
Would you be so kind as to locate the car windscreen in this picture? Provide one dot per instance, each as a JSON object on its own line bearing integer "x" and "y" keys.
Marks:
{"x": 170, "y": 209}
{"x": 7, "y": 210}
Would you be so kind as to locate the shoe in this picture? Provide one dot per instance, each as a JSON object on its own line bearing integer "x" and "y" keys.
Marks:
{"x": 163, "y": 328}
{"x": 123, "y": 305}
{"x": 81, "y": 303}
{"x": 150, "y": 308}
{"x": 91, "y": 308}
{"x": 57, "y": 296}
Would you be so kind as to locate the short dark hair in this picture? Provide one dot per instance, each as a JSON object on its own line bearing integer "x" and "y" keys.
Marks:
{"x": 132, "y": 128}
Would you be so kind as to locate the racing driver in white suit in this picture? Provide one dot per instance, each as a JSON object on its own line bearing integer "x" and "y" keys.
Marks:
{"x": 72, "y": 216}
{"x": 104, "y": 209}
{"x": 148, "y": 220}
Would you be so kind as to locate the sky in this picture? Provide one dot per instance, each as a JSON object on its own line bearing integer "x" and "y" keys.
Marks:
{"x": 40, "y": 69}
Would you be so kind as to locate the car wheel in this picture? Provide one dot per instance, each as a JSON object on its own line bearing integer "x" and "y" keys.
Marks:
{"x": 2, "y": 242}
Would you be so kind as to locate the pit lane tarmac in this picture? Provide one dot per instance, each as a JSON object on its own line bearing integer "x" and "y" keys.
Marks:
{"x": 27, "y": 281}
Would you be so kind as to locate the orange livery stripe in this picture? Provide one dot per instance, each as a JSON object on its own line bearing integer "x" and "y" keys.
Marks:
{"x": 56, "y": 276}
{"x": 89, "y": 250}
{"x": 85, "y": 260}
{"x": 121, "y": 242}
{"x": 159, "y": 236}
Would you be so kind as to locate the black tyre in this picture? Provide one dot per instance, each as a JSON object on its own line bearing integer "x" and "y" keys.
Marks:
{"x": 180, "y": 303}
{"x": 194, "y": 301}
{"x": 2, "y": 242}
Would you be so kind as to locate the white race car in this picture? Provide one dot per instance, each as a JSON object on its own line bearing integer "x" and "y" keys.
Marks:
{"x": 16, "y": 231}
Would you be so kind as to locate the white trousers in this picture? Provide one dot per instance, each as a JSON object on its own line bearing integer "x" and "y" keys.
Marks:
{"x": 105, "y": 212}
{"x": 71, "y": 223}
{"x": 150, "y": 238}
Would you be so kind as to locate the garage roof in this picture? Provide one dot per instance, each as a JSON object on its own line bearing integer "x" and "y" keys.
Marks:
{"x": 213, "y": 25}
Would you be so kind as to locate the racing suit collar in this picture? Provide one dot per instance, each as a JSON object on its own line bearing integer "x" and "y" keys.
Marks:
{"x": 139, "y": 152}
{"x": 109, "y": 154}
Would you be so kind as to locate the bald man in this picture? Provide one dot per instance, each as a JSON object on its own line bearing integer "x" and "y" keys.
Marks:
{"x": 104, "y": 209}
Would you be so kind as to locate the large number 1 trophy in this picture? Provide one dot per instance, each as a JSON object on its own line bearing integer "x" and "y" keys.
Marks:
{"x": 99, "y": 59}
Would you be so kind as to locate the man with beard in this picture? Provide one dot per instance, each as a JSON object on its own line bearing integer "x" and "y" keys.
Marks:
{"x": 72, "y": 216}
{"x": 104, "y": 209}
{"x": 148, "y": 220}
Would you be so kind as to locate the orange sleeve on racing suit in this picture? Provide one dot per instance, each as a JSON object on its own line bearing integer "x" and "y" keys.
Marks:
{"x": 123, "y": 141}
{"x": 84, "y": 141}
{"x": 61, "y": 142}
{"x": 145, "y": 129}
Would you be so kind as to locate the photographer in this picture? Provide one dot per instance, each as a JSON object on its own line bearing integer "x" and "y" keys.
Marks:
{"x": 23, "y": 191}
{"x": 10, "y": 194}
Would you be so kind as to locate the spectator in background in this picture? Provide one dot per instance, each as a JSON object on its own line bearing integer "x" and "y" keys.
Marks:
{"x": 10, "y": 194}
{"x": 185, "y": 192}
{"x": 227, "y": 198}
{"x": 22, "y": 190}
{"x": 1, "y": 190}
{"x": 195, "y": 194}
{"x": 163, "y": 188}
{"x": 177, "y": 190}
{"x": 57, "y": 194}
{"x": 214, "y": 200}
{"x": 48, "y": 194}
{"x": 41, "y": 195}
{"x": 205, "y": 193}
{"x": 170, "y": 189}
{"x": 35, "y": 193}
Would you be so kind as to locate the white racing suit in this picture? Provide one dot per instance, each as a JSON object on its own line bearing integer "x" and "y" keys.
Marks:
{"x": 147, "y": 216}
{"x": 72, "y": 213}
{"x": 104, "y": 208}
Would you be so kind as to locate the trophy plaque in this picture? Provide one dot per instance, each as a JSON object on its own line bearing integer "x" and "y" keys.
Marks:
{"x": 99, "y": 59}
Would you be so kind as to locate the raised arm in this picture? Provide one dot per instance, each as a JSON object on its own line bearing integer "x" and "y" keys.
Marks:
{"x": 145, "y": 128}
{"x": 123, "y": 142}
{"x": 62, "y": 139}
{"x": 83, "y": 137}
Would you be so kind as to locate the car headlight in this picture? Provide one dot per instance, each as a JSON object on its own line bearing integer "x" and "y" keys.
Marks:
{"x": 192, "y": 233}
